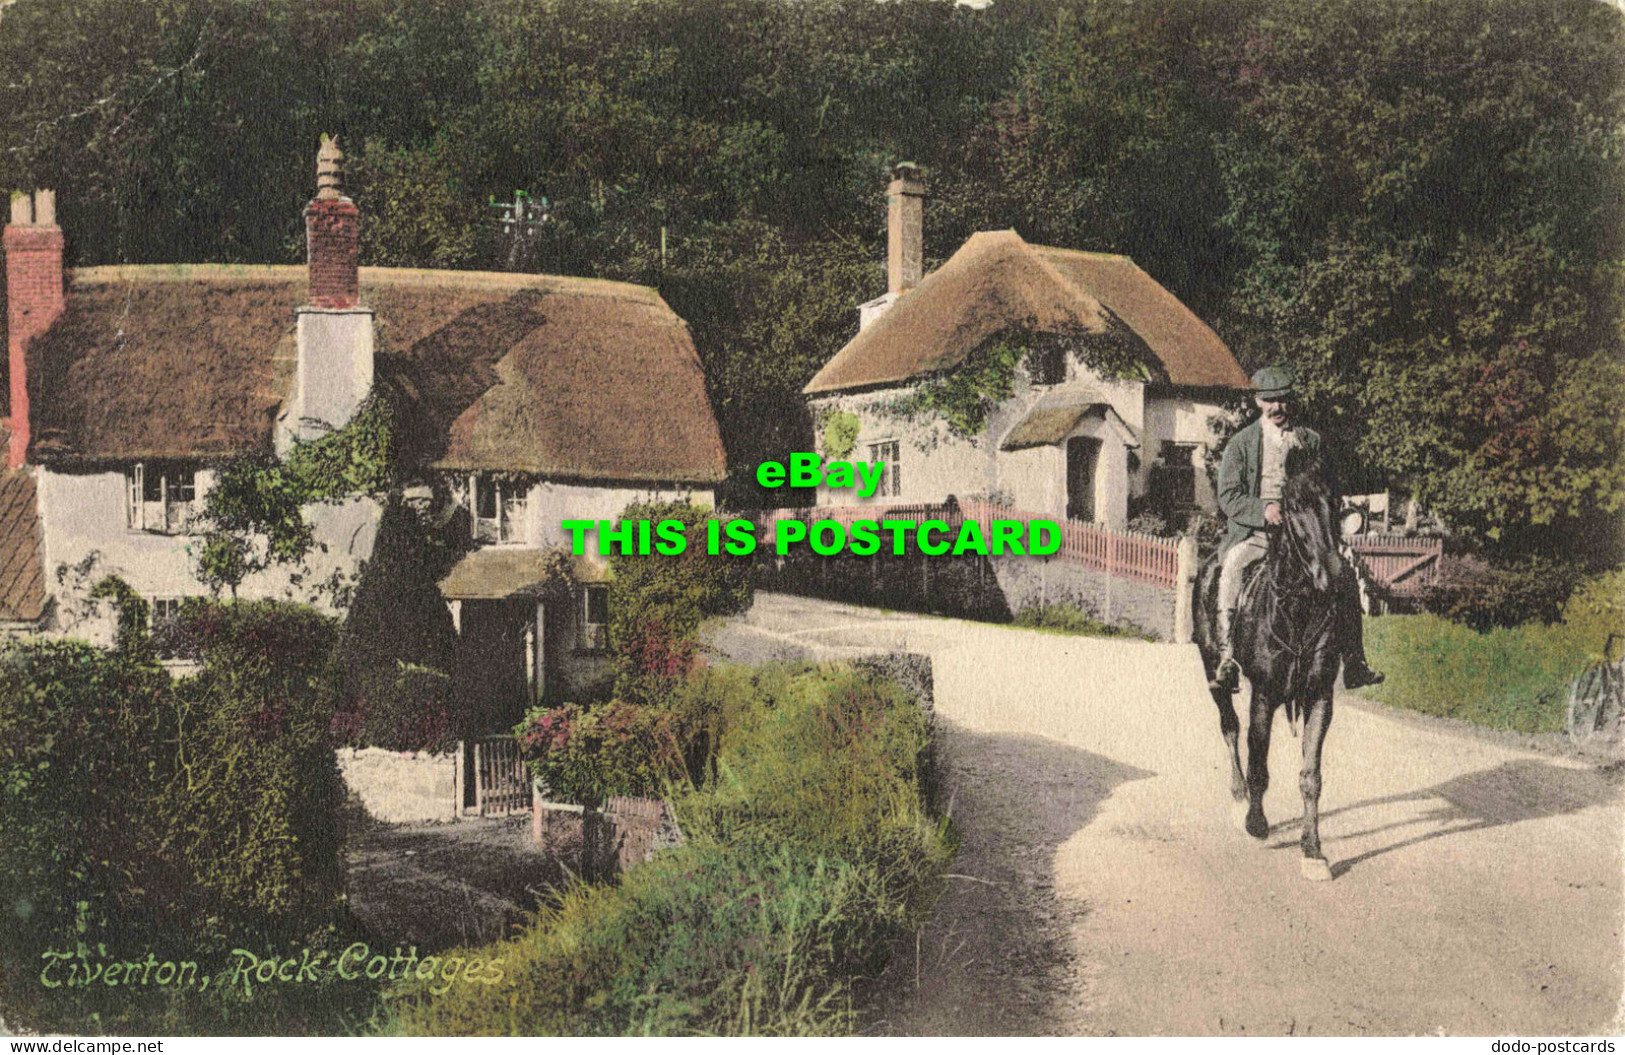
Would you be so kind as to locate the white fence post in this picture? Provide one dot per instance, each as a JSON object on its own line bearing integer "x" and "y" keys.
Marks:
{"x": 1184, "y": 588}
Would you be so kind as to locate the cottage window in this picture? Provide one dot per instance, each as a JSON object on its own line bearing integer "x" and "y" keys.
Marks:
{"x": 160, "y": 497}
{"x": 1173, "y": 480}
{"x": 497, "y": 505}
{"x": 889, "y": 453}
{"x": 595, "y": 618}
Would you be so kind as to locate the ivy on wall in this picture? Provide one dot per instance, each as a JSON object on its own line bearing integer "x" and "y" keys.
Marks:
{"x": 840, "y": 432}
{"x": 254, "y": 514}
{"x": 963, "y": 396}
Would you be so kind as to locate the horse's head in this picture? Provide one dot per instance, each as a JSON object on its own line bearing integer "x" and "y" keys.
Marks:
{"x": 1306, "y": 528}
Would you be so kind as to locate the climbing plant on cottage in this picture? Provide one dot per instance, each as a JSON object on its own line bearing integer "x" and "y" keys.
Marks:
{"x": 964, "y": 395}
{"x": 254, "y": 515}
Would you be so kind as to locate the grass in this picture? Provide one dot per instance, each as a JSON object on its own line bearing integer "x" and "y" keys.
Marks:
{"x": 1072, "y": 620}
{"x": 1513, "y": 678}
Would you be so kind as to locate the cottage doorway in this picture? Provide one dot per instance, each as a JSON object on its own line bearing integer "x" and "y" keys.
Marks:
{"x": 496, "y": 660}
{"x": 1082, "y": 456}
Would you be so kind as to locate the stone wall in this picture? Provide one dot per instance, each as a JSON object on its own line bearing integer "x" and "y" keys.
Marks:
{"x": 992, "y": 588}
{"x": 399, "y": 787}
{"x": 1027, "y": 583}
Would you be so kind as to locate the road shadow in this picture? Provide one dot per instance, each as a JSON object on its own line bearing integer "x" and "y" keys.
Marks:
{"x": 1522, "y": 790}
{"x": 995, "y": 957}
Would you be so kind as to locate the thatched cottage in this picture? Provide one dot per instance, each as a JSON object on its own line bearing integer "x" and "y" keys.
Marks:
{"x": 1068, "y": 441}
{"x": 532, "y": 398}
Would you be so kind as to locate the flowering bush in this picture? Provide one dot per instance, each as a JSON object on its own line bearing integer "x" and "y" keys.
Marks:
{"x": 586, "y": 756}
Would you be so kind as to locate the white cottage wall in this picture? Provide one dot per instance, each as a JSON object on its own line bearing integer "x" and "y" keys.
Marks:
{"x": 550, "y": 503}
{"x": 83, "y": 514}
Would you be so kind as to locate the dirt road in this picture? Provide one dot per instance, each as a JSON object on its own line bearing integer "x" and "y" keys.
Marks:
{"x": 1103, "y": 887}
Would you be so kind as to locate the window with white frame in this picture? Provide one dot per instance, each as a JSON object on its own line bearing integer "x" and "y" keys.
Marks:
{"x": 890, "y": 453}
{"x": 496, "y": 504}
{"x": 160, "y": 497}
{"x": 595, "y": 618}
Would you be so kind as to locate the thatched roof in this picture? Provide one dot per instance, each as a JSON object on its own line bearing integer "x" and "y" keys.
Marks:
{"x": 497, "y": 572}
{"x": 996, "y": 282}
{"x": 22, "y": 565}
{"x": 1052, "y": 420}
{"x": 561, "y": 376}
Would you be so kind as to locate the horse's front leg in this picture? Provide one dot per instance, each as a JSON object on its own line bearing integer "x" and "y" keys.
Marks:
{"x": 1318, "y": 720}
{"x": 1258, "y": 762}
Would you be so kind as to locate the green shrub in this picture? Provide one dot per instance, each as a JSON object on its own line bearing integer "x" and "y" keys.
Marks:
{"x": 1480, "y": 594}
{"x": 1505, "y": 677}
{"x": 704, "y": 939}
{"x": 658, "y": 602}
{"x": 394, "y": 654}
{"x": 1595, "y": 610}
{"x": 1070, "y": 619}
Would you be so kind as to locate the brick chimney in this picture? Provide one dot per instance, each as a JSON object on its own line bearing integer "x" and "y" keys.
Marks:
{"x": 33, "y": 245}
{"x": 335, "y": 332}
{"x": 332, "y": 234}
{"x": 905, "y": 229}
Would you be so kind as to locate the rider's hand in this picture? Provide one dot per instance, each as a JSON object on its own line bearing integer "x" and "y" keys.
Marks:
{"x": 1272, "y": 513}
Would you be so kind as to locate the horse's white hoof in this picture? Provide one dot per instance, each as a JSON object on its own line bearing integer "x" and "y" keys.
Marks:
{"x": 1238, "y": 816}
{"x": 1315, "y": 869}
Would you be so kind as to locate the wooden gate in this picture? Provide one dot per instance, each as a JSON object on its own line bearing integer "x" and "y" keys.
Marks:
{"x": 501, "y": 785}
{"x": 1399, "y": 567}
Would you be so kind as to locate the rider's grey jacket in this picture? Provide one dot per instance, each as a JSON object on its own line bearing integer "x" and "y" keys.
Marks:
{"x": 1239, "y": 473}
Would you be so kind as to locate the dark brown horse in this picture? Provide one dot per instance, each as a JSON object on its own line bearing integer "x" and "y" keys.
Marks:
{"x": 1287, "y": 646}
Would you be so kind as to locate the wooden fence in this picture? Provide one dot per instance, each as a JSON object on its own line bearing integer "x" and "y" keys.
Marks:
{"x": 501, "y": 785}
{"x": 1123, "y": 554}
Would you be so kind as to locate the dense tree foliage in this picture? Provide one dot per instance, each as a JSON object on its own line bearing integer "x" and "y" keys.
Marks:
{"x": 1419, "y": 202}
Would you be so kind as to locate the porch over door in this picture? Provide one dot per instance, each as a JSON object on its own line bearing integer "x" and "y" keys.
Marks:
{"x": 1082, "y": 460}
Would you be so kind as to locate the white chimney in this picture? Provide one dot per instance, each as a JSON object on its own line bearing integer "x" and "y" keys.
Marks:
{"x": 335, "y": 332}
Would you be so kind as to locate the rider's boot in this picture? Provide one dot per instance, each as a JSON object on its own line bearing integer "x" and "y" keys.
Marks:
{"x": 1357, "y": 673}
{"x": 1227, "y": 675}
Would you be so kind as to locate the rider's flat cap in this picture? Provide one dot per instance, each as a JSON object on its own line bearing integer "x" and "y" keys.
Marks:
{"x": 1273, "y": 382}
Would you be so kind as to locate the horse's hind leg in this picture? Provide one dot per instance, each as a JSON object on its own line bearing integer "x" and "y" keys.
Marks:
{"x": 1318, "y": 720}
{"x": 1258, "y": 762}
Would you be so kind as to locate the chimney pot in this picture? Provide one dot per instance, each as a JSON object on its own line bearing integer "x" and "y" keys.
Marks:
{"x": 332, "y": 234}
{"x": 329, "y": 170}
{"x": 22, "y": 209}
{"x": 45, "y": 208}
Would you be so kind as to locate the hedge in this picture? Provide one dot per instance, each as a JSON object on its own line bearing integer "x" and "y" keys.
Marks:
{"x": 178, "y": 818}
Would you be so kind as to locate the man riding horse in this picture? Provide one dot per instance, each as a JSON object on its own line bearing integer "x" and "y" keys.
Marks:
{"x": 1256, "y": 464}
